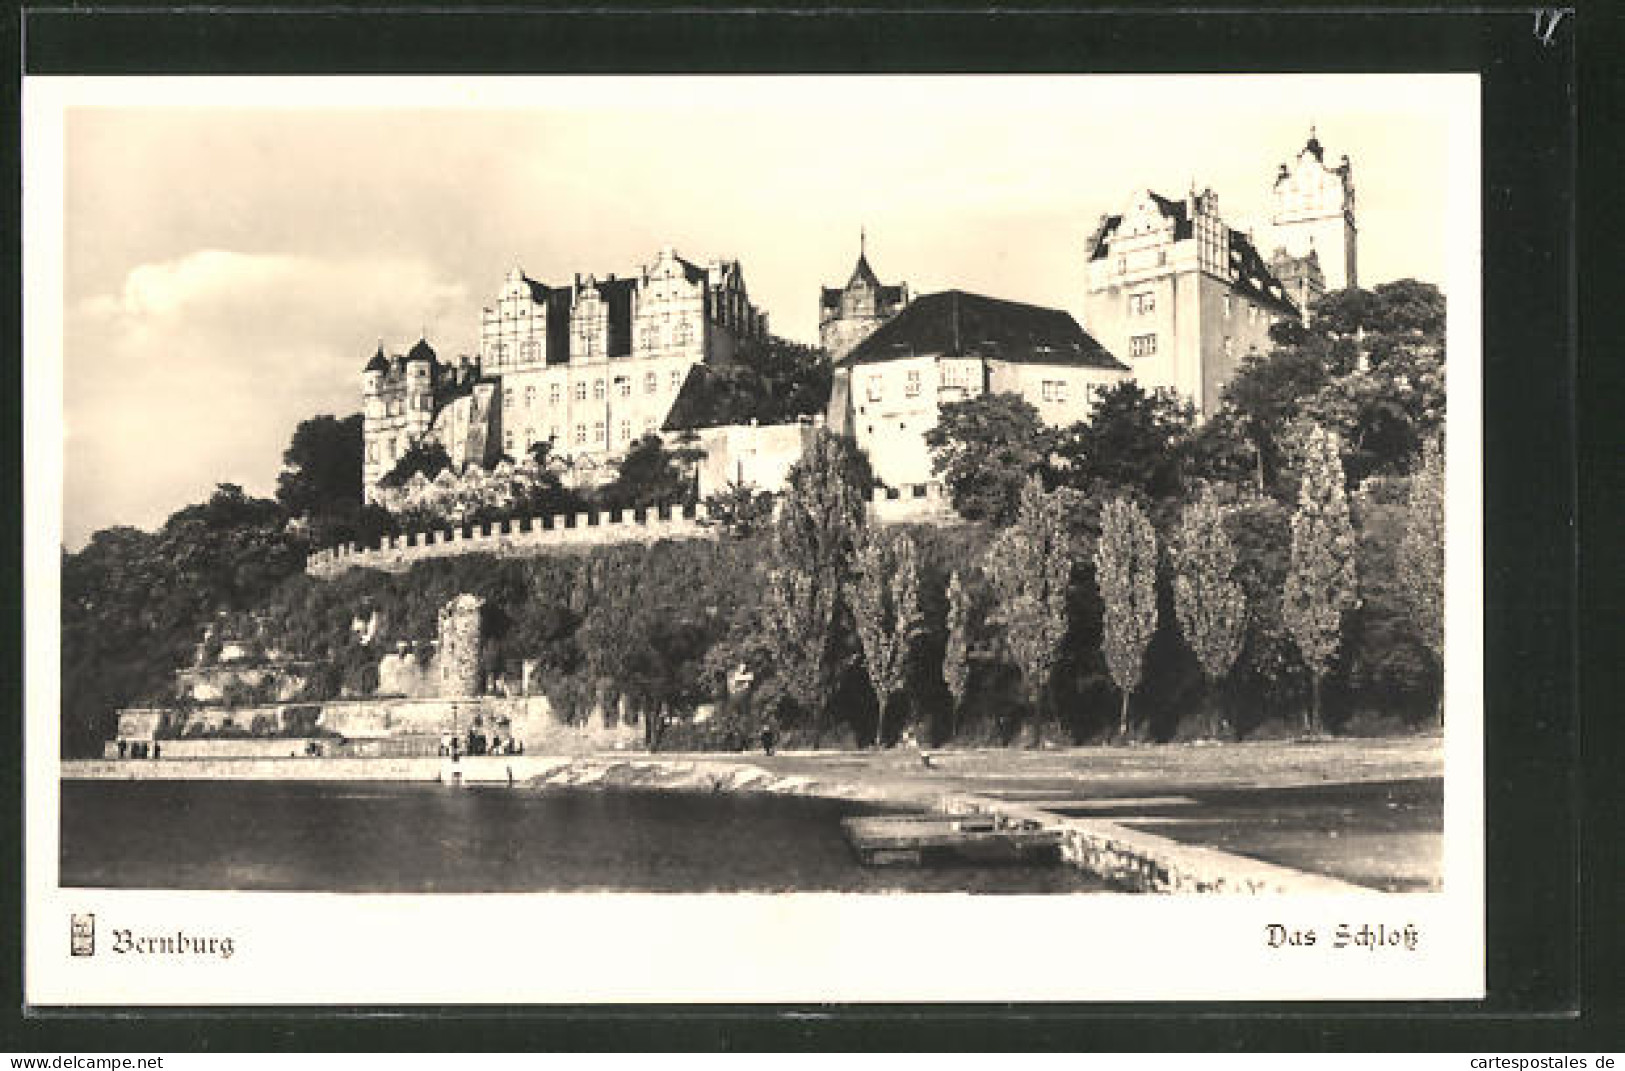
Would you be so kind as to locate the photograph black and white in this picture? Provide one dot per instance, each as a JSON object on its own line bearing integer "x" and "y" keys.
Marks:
{"x": 801, "y": 505}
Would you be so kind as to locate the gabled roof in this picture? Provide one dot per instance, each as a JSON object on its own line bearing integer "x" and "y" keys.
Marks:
{"x": 379, "y": 362}
{"x": 1178, "y": 211}
{"x": 955, "y": 323}
{"x": 693, "y": 272}
{"x": 1251, "y": 276}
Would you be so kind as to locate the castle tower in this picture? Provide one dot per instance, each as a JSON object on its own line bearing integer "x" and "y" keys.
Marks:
{"x": 1312, "y": 211}
{"x": 458, "y": 652}
{"x": 374, "y": 417}
{"x": 850, "y": 314}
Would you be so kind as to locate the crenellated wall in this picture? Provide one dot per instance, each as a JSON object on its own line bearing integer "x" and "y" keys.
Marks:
{"x": 925, "y": 503}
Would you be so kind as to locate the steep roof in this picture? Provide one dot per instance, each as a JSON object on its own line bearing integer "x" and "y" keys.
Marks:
{"x": 422, "y": 351}
{"x": 1251, "y": 276}
{"x": 379, "y": 362}
{"x": 863, "y": 275}
{"x": 1178, "y": 211}
{"x": 955, "y": 323}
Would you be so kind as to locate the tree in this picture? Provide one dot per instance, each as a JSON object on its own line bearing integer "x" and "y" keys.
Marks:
{"x": 1130, "y": 441}
{"x": 742, "y": 510}
{"x": 1421, "y": 556}
{"x": 321, "y": 468}
{"x": 885, "y": 597}
{"x": 1209, "y": 603}
{"x": 956, "y": 650}
{"x": 650, "y": 475}
{"x": 985, "y": 448}
{"x": 1029, "y": 568}
{"x": 822, "y": 517}
{"x": 771, "y": 381}
{"x": 1126, "y": 573}
{"x": 425, "y": 455}
{"x": 1321, "y": 583}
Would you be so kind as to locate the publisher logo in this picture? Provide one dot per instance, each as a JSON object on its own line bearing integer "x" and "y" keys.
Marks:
{"x": 82, "y": 935}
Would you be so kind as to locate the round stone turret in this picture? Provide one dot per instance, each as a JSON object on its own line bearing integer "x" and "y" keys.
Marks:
{"x": 461, "y": 636}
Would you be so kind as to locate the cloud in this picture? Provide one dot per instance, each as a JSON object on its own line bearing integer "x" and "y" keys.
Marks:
{"x": 197, "y": 369}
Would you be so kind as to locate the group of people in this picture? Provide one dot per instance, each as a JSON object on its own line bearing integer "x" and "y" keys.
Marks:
{"x": 138, "y": 749}
{"x": 475, "y": 742}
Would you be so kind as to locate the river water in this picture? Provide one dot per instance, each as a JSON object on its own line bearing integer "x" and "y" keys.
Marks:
{"x": 372, "y": 837}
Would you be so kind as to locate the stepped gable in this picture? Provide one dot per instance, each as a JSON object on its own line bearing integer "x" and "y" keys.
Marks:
{"x": 956, "y": 323}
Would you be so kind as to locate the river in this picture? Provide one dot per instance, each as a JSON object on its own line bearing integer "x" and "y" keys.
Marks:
{"x": 379, "y": 837}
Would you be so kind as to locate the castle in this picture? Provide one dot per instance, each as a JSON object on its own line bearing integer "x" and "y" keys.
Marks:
{"x": 588, "y": 366}
{"x": 1173, "y": 297}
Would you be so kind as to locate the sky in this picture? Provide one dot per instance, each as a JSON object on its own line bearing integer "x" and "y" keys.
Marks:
{"x": 233, "y": 250}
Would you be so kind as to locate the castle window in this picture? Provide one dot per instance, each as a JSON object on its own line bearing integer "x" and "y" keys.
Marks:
{"x": 530, "y": 437}
{"x": 581, "y": 391}
{"x": 650, "y": 382}
{"x": 876, "y": 390}
{"x": 553, "y": 394}
{"x": 581, "y": 433}
{"x": 598, "y": 431}
{"x": 911, "y": 387}
{"x": 507, "y": 440}
{"x": 626, "y": 431}
{"x": 1229, "y": 304}
{"x": 1162, "y": 257}
{"x": 685, "y": 333}
{"x": 1142, "y": 304}
{"x": 598, "y": 389}
{"x": 1054, "y": 390}
{"x": 623, "y": 386}
{"x": 530, "y": 397}
{"x": 1122, "y": 264}
{"x": 648, "y": 424}
{"x": 677, "y": 379}
{"x": 507, "y": 398}
{"x": 1142, "y": 345}
{"x": 392, "y": 449}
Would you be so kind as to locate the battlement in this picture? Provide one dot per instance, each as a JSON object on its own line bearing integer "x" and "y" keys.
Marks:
{"x": 528, "y": 537}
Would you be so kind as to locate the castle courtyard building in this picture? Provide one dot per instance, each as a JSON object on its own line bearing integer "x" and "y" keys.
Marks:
{"x": 953, "y": 346}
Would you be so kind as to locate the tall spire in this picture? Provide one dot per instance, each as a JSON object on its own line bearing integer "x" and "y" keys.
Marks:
{"x": 863, "y": 240}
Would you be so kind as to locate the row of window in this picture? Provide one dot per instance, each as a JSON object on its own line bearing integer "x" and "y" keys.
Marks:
{"x": 623, "y": 387}
{"x": 1052, "y": 390}
{"x": 582, "y": 434}
{"x": 417, "y": 403}
{"x": 1142, "y": 345}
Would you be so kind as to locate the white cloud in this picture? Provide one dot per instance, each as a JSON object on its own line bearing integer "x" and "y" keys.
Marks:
{"x": 198, "y": 368}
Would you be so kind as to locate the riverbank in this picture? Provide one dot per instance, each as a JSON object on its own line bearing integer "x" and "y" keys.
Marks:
{"x": 1054, "y": 788}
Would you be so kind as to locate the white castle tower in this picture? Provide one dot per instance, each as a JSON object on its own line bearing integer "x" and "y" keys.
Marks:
{"x": 1312, "y": 211}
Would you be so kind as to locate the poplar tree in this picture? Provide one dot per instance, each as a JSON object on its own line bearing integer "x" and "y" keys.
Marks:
{"x": 1421, "y": 556}
{"x": 956, "y": 650}
{"x": 1126, "y": 573}
{"x": 1320, "y": 583}
{"x": 1210, "y": 604}
{"x": 1029, "y": 567}
{"x": 820, "y": 520}
{"x": 885, "y": 599}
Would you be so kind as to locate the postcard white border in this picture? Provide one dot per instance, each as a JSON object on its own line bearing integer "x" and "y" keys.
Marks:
{"x": 314, "y": 948}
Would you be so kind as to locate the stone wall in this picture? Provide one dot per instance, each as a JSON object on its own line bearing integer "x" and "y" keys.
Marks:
{"x": 528, "y": 719}
{"x": 458, "y": 655}
{"x": 518, "y": 538}
{"x": 918, "y": 503}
